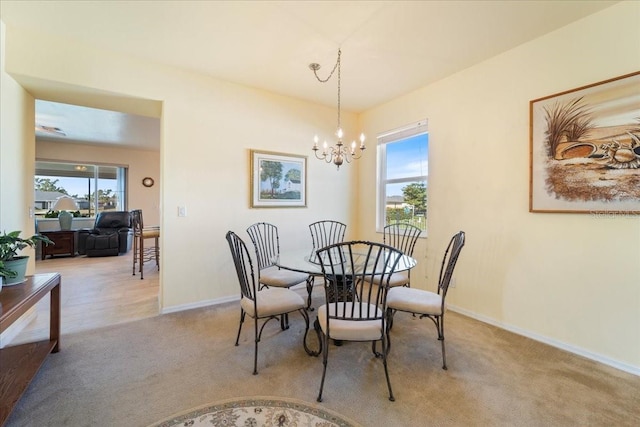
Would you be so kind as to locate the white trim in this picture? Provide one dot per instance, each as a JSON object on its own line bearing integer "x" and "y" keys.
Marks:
{"x": 199, "y": 304}
{"x": 412, "y": 129}
{"x": 632, "y": 369}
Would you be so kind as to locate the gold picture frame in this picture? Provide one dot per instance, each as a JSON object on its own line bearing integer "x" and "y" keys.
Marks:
{"x": 278, "y": 180}
{"x": 585, "y": 149}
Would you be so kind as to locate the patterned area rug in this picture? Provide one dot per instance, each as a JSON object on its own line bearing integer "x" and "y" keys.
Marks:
{"x": 258, "y": 412}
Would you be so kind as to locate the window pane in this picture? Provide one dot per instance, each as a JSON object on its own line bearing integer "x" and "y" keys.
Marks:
{"x": 403, "y": 175}
{"x": 94, "y": 188}
{"x": 407, "y": 202}
{"x": 407, "y": 157}
{"x": 107, "y": 188}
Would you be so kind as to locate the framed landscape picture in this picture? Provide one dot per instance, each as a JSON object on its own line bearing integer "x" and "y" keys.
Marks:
{"x": 278, "y": 180}
{"x": 585, "y": 149}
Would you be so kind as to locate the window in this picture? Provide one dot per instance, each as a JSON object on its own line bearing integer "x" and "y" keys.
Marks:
{"x": 95, "y": 188}
{"x": 402, "y": 176}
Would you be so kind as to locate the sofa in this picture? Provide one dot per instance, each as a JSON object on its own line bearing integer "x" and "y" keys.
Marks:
{"x": 111, "y": 235}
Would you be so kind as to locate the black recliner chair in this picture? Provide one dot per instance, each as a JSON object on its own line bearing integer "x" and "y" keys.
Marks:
{"x": 111, "y": 235}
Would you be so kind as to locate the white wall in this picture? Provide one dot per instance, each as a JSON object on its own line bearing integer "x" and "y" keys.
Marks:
{"x": 572, "y": 280}
{"x": 17, "y": 146}
{"x": 140, "y": 163}
{"x": 208, "y": 128}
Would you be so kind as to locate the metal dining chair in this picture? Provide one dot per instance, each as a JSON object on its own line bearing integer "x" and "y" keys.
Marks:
{"x": 403, "y": 237}
{"x": 266, "y": 243}
{"x": 265, "y": 303}
{"x": 326, "y": 232}
{"x": 352, "y": 313}
{"x": 428, "y": 304}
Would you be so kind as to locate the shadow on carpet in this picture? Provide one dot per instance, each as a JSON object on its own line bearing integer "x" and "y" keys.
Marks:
{"x": 258, "y": 411}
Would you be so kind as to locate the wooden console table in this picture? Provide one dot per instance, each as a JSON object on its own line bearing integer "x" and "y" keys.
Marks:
{"x": 64, "y": 243}
{"x": 20, "y": 363}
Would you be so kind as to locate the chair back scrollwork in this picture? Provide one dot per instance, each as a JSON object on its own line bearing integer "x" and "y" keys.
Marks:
{"x": 326, "y": 232}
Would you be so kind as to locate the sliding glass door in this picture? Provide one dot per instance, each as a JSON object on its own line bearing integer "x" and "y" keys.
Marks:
{"x": 94, "y": 188}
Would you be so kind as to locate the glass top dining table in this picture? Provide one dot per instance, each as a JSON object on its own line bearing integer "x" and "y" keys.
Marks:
{"x": 308, "y": 262}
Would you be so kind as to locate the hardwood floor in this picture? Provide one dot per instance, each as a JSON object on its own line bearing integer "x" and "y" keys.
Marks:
{"x": 95, "y": 292}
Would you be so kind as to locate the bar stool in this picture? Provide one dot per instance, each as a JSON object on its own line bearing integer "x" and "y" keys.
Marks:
{"x": 140, "y": 253}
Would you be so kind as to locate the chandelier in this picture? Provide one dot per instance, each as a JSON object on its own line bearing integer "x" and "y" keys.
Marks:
{"x": 337, "y": 153}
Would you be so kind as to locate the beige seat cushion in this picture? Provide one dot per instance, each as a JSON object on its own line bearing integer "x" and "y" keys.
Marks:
{"x": 414, "y": 301}
{"x": 351, "y": 330}
{"x": 400, "y": 278}
{"x": 273, "y": 301}
{"x": 281, "y": 278}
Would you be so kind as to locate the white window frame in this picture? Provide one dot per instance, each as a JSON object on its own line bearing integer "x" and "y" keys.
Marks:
{"x": 121, "y": 179}
{"x": 414, "y": 129}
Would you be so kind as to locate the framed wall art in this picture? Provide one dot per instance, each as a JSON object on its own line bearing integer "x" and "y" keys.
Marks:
{"x": 278, "y": 180}
{"x": 585, "y": 149}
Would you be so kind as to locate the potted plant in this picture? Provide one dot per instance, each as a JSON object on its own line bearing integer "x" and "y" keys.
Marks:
{"x": 13, "y": 266}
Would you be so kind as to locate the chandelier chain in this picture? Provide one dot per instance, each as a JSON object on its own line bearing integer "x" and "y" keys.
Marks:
{"x": 339, "y": 153}
{"x": 339, "y": 52}
{"x": 316, "y": 67}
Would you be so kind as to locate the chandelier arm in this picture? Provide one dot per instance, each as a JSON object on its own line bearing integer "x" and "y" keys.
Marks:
{"x": 323, "y": 157}
{"x": 356, "y": 157}
{"x": 327, "y": 156}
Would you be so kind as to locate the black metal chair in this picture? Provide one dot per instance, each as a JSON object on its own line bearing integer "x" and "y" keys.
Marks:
{"x": 326, "y": 232}
{"x": 403, "y": 237}
{"x": 267, "y": 246}
{"x": 425, "y": 303}
{"x": 268, "y": 303}
{"x": 352, "y": 313}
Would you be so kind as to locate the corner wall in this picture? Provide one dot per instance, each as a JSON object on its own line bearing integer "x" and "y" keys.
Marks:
{"x": 571, "y": 280}
{"x": 17, "y": 147}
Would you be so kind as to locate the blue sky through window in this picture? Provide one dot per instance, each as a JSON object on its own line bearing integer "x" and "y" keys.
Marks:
{"x": 405, "y": 158}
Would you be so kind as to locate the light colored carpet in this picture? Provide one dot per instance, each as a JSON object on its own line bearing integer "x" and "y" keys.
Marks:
{"x": 141, "y": 372}
{"x": 258, "y": 411}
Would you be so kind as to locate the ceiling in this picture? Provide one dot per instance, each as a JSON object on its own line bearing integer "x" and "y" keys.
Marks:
{"x": 389, "y": 48}
{"x": 57, "y": 121}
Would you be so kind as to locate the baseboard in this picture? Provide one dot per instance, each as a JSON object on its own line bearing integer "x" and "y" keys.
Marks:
{"x": 635, "y": 370}
{"x": 199, "y": 304}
